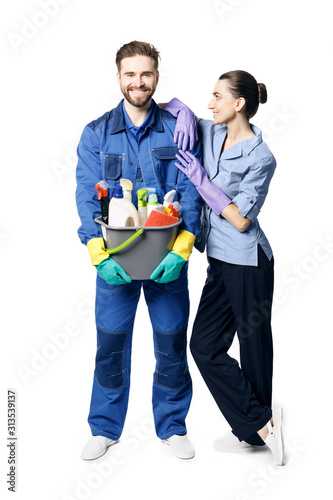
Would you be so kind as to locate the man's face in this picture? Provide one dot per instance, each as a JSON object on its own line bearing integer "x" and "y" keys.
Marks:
{"x": 138, "y": 79}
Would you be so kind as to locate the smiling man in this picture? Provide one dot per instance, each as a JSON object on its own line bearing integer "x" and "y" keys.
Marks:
{"x": 135, "y": 141}
{"x": 138, "y": 86}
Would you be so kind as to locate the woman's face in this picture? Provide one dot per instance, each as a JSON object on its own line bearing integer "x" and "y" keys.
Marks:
{"x": 223, "y": 103}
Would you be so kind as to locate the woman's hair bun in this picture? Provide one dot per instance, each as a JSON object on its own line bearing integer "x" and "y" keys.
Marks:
{"x": 262, "y": 93}
{"x": 242, "y": 84}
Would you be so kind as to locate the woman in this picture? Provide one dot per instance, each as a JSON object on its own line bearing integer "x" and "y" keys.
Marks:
{"x": 237, "y": 296}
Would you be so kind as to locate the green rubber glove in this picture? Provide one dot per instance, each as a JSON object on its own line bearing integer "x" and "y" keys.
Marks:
{"x": 112, "y": 272}
{"x": 169, "y": 269}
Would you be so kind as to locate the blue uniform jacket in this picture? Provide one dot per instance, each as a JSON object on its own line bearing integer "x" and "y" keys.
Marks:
{"x": 243, "y": 172}
{"x": 109, "y": 151}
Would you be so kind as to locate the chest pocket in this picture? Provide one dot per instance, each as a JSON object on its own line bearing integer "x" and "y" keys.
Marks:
{"x": 164, "y": 162}
{"x": 112, "y": 166}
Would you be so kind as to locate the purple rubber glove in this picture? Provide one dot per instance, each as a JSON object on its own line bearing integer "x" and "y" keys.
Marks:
{"x": 186, "y": 128}
{"x": 212, "y": 194}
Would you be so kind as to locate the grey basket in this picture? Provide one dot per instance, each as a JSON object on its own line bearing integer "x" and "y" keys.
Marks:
{"x": 139, "y": 250}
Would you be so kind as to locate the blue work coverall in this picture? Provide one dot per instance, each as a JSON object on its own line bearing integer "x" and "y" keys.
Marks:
{"x": 109, "y": 150}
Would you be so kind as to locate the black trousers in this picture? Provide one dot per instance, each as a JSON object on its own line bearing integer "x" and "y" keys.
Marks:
{"x": 237, "y": 298}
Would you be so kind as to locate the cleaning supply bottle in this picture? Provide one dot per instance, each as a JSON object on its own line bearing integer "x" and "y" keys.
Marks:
{"x": 142, "y": 205}
{"x": 127, "y": 186}
{"x": 122, "y": 212}
{"x": 153, "y": 204}
{"x": 176, "y": 205}
{"x": 103, "y": 196}
{"x": 173, "y": 212}
{"x": 168, "y": 198}
{"x": 152, "y": 190}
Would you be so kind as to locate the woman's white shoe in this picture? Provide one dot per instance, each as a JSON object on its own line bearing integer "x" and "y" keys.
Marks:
{"x": 274, "y": 440}
{"x": 230, "y": 442}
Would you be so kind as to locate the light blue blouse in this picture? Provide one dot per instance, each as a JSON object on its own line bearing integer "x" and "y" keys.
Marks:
{"x": 243, "y": 172}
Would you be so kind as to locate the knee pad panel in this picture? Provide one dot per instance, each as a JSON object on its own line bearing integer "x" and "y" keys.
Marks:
{"x": 171, "y": 366}
{"x": 109, "y": 368}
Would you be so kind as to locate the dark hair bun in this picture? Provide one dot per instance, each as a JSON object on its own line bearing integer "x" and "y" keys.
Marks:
{"x": 242, "y": 84}
{"x": 262, "y": 93}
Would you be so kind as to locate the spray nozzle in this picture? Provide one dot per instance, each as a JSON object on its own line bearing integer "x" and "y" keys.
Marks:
{"x": 168, "y": 198}
{"x": 142, "y": 197}
{"x": 102, "y": 189}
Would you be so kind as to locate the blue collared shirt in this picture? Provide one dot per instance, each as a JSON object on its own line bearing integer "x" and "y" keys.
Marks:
{"x": 137, "y": 131}
{"x": 243, "y": 172}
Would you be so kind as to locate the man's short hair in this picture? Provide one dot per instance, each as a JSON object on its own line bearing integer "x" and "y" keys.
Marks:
{"x": 136, "y": 48}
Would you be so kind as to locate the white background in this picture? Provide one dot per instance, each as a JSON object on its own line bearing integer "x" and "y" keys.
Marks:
{"x": 58, "y": 73}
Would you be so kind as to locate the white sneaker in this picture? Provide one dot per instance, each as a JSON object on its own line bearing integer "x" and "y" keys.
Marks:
{"x": 274, "y": 439}
{"x": 96, "y": 447}
{"x": 180, "y": 446}
{"x": 230, "y": 442}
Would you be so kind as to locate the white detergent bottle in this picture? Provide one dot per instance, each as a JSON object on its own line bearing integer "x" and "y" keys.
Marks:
{"x": 122, "y": 213}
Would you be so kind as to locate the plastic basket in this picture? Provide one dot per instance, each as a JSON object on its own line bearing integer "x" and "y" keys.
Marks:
{"x": 139, "y": 250}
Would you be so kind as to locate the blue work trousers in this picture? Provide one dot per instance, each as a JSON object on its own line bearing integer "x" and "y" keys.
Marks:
{"x": 168, "y": 306}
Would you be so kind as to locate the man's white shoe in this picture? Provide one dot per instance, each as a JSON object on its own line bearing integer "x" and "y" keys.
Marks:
{"x": 274, "y": 440}
{"x": 180, "y": 446}
{"x": 96, "y": 447}
{"x": 230, "y": 442}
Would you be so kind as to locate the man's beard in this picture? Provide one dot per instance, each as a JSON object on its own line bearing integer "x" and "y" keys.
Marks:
{"x": 138, "y": 101}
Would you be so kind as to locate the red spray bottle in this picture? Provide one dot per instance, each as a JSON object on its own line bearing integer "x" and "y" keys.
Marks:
{"x": 103, "y": 196}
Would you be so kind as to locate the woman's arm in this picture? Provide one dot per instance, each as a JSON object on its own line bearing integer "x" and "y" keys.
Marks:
{"x": 253, "y": 190}
{"x": 245, "y": 207}
{"x": 192, "y": 168}
{"x": 232, "y": 215}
